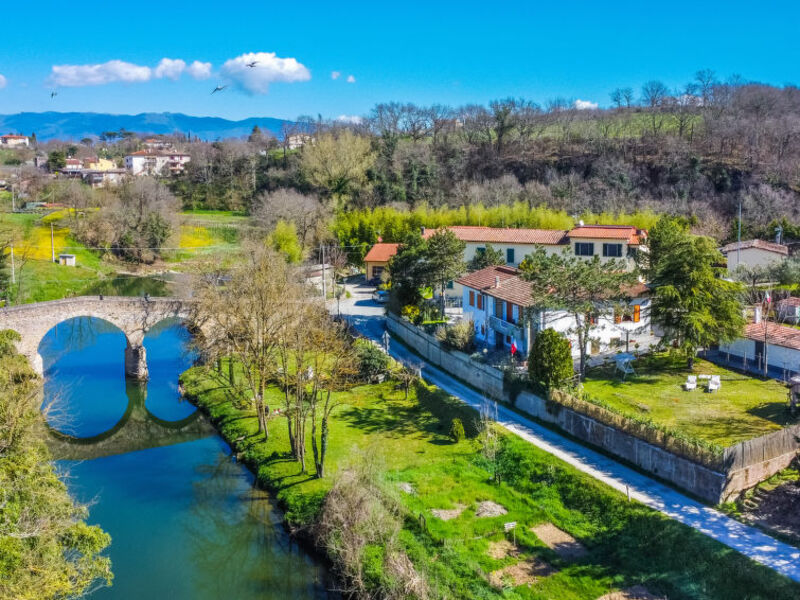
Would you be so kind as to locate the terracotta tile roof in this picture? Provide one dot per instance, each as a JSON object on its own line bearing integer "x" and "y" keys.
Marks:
{"x": 14, "y": 136}
{"x": 505, "y": 235}
{"x": 777, "y": 335}
{"x": 512, "y": 288}
{"x": 381, "y": 252}
{"x": 791, "y": 301}
{"x": 760, "y": 244}
{"x": 628, "y": 233}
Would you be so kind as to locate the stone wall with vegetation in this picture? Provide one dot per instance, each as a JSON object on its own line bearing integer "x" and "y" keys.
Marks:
{"x": 483, "y": 377}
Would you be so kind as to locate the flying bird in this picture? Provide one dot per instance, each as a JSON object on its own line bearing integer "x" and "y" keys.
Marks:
{"x": 219, "y": 88}
{"x": 53, "y": 95}
{"x": 252, "y": 64}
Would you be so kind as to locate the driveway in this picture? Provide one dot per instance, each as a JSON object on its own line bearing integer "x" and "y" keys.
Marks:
{"x": 367, "y": 317}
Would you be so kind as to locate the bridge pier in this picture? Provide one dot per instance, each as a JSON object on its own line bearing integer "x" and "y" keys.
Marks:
{"x": 136, "y": 362}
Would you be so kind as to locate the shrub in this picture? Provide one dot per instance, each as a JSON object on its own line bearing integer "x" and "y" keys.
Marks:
{"x": 410, "y": 312}
{"x": 457, "y": 430}
{"x": 371, "y": 359}
{"x": 550, "y": 360}
{"x": 460, "y": 336}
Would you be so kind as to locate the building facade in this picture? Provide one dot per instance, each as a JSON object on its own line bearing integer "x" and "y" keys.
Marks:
{"x": 753, "y": 253}
{"x": 14, "y": 141}
{"x": 149, "y": 162}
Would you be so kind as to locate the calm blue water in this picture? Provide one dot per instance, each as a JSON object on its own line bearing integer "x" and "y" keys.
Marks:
{"x": 185, "y": 519}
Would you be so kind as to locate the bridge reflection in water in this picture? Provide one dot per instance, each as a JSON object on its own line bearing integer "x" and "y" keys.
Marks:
{"x": 93, "y": 410}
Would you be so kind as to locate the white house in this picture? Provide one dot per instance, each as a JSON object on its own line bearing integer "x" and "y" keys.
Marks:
{"x": 157, "y": 144}
{"x": 606, "y": 241}
{"x": 498, "y": 301}
{"x": 14, "y": 141}
{"x": 788, "y": 310}
{"x": 151, "y": 162}
{"x": 781, "y": 342}
{"x": 297, "y": 140}
{"x": 753, "y": 253}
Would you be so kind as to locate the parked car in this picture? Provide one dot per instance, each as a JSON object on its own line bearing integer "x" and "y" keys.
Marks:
{"x": 380, "y": 296}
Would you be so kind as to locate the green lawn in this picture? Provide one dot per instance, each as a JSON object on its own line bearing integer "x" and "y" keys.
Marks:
{"x": 745, "y": 407}
{"x": 627, "y": 543}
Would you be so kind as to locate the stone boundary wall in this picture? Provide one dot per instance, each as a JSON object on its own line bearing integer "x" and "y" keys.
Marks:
{"x": 743, "y": 465}
{"x": 691, "y": 476}
{"x": 483, "y": 377}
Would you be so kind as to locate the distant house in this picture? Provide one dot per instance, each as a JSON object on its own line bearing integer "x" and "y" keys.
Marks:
{"x": 296, "y": 140}
{"x": 753, "y": 253}
{"x": 67, "y": 260}
{"x": 152, "y": 162}
{"x": 103, "y": 178}
{"x": 72, "y": 166}
{"x": 157, "y": 144}
{"x": 377, "y": 259}
{"x": 788, "y": 310}
{"x": 94, "y": 163}
{"x": 14, "y": 141}
{"x": 498, "y": 302}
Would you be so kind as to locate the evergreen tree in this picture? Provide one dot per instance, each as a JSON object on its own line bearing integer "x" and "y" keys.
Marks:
{"x": 490, "y": 257}
{"x": 692, "y": 303}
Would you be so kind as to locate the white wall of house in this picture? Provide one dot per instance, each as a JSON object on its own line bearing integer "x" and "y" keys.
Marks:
{"x": 519, "y": 251}
{"x": 14, "y": 142}
{"x": 752, "y": 257}
{"x": 779, "y": 357}
{"x": 598, "y": 249}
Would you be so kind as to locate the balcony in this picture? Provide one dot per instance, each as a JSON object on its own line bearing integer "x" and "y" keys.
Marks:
{"x": 505, "y": 328}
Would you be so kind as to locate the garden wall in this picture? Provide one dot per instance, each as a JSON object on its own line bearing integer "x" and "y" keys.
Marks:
{"x": 480, "y": 376}
{"x": 752, "y": 461}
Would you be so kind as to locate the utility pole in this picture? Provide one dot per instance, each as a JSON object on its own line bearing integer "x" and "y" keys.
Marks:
{"x": 13, "y": 275}
{"x": 52, "y": 245}
{"x": 324, "y": 288}
{"x": 739, "y": 236}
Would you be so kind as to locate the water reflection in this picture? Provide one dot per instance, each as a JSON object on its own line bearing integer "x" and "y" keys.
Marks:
{"x": 185, "y": 519}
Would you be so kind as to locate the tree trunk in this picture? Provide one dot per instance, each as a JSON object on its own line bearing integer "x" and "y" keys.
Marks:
{"x": 289, "y": 424}
{"x": 314, "y": 449}
{"x": 231, "y": 378}
{"x": 323, "y": 447}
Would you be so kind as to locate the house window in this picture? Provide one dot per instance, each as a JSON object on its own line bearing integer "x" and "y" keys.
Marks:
{"x": 480, "y": 301}
{"x": 509, "y": 312}
{"x": 510, "y": 256}
{"x": 498, "y": 308}
{"x": 450, "y": 285}
{"x": 612, "y": 250}
{"x": 584, "y": 249}
{"x": 377, "y": 272}
{"x": 471, "y": 298}
{"x": 480, "y": 251}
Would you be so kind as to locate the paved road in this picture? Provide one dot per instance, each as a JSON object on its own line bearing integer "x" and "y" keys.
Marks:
{"x": 367, "y": 317}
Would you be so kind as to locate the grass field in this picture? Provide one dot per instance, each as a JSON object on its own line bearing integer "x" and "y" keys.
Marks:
{"x": 625, "y": 544}
{"x": 745, "y": 407}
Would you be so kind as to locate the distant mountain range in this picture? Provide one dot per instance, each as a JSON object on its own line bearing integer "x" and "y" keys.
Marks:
{"x": 79, "y": 125}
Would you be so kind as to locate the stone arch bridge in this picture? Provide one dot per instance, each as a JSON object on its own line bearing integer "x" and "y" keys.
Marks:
{"x": 133, "y": 316}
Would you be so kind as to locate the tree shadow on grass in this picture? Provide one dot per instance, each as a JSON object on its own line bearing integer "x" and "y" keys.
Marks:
{"x": 432, "y": 416}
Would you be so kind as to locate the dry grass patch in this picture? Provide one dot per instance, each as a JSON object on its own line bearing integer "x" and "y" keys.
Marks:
{"x": 501, "y": 549}
{"x": 562, "y": 543}
{"x": 525, "y": 572}
{"x": 406, "y": 487}
{"x": 636, "y": 592}
{"x": 489, "y": 509}
{"x": 446, "y": 514}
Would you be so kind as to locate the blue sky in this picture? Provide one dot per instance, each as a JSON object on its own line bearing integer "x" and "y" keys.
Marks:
{"x": 425, "y": 52}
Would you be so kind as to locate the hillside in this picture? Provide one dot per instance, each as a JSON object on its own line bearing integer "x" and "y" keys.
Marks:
{"x": 78, "y": 125}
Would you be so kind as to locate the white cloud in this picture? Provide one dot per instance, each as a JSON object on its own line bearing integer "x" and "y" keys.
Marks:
{"x": 268, "y": 69}
{"x": 3, "y": 82}
{"x": 170, "y": 68}
{"x": 100, "y": 74}
{"x": 351, "y": 79}
{"x": 199, "y": 70}
{"x": 350, "y": 119}
{"x": 336, "y": 74}
{"x": 585, "y": 105}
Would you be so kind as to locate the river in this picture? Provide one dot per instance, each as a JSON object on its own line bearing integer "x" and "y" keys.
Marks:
{"x": 185, "y": 519}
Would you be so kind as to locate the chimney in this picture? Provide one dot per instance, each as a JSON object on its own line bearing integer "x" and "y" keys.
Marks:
{"x": 580, "y": 223}
{"x": 496, "y": 281}
{"x": 757, "y": 313}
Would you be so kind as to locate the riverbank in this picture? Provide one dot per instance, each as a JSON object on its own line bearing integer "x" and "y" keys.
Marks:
{"x": 446, "y": 515}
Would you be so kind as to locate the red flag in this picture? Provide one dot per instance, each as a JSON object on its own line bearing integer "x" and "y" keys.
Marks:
{"x": 513, "y": 347}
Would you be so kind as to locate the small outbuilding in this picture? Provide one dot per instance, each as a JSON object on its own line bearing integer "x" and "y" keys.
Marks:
{"x": 68, "y": 260}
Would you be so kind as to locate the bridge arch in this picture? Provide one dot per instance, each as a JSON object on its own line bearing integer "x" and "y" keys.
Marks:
{"x": 133, "y": 316}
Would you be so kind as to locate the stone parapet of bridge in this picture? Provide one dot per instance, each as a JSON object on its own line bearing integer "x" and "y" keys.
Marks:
{"x": 134, "y": 316}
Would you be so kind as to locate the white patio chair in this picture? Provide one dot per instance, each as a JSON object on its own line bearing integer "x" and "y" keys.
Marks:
{"x": 714, "y": 383}
{"x": 691, "y": 383}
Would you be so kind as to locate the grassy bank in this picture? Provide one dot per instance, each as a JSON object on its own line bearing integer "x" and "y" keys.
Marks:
{"x": 421, "y": 470}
